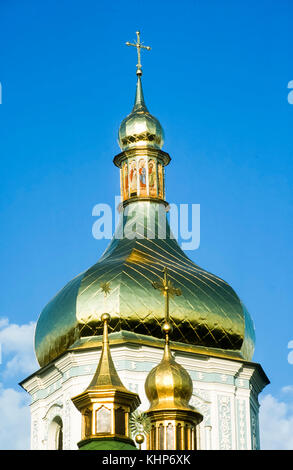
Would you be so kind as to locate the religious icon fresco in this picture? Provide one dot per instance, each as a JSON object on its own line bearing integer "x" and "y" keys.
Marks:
{"x": 125, "y": 191}
{"x": 133, "y": 178}
{"x": 152, "y": 178}
{"x": 142, "y": 177}
{"x": 160, "y": 181}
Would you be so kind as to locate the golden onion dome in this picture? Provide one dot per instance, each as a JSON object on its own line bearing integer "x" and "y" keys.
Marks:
{"x": 168, "y": 385}
{"x": 140, "y": 128}
{"x": 208, "y": 314}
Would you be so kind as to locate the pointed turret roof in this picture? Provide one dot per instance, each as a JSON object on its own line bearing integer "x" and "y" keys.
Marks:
{"x": 106, "y": 376}
{"x": 139, "y": 103}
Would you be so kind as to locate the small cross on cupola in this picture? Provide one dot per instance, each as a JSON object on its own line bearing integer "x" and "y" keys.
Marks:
{"x": 139, "y": 45}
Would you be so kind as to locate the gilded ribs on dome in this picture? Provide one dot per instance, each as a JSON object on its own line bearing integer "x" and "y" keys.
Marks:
{"x": 208, "y": 313}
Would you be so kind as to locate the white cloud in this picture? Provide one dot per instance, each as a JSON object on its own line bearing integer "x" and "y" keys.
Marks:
{"x": 290, "y": 355}
{"x": 287, "y": 389}
{"x": 15, "y": 419}
{"x": 18, "y": 360}
{"x": 17, "y": 346}
{"x": 3, "y": 322}
{"x": 276, "y": 423}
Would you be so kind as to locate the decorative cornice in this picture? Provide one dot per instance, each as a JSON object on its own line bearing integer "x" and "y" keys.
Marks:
{"x": 148, "y": 199}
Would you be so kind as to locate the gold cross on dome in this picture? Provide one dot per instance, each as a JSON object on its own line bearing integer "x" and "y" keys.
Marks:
{"x": 167, "y": 289}
{"x": 139, "y": 45}
{"x": 105, "y": 287}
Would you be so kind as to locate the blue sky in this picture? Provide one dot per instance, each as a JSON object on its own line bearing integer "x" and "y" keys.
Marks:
{"x": 216, "y": 78}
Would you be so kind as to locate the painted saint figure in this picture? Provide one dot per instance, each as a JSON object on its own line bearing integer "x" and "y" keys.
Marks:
{"x": 160, "y": 180}
{"x": 125, "y": 181}
{"x": 152, "y": 178}
{"x": 133, "y": 178}
{"x": 142, "y": 177}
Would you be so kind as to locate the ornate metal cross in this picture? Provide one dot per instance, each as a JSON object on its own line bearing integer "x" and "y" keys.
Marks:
{"x": 139, "y": 45}
{"x": 167, "y": 289}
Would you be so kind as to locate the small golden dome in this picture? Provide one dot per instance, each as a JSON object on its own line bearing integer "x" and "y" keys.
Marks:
{"x": 105, "y": 317}
{"x": 168, "y": 385}
{"x": 140, "y": 128}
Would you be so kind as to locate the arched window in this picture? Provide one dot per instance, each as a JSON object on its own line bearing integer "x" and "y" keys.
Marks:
{"x": 55, "y": 434}
{"x": 161, "y": 437}
{"x": 153, "y": 438}
{"x": 120, "y": 421}
{"x": 170, "y": 437}
{"x": 87, "y": 423}
{"x": 179, "y": 437}
{"x": 103, "y": 423}
{"x": 186, "y": 435}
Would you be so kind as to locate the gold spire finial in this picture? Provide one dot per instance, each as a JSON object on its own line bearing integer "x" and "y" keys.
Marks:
{"x": 139, "y": 45}
{"x": 168, "y": 388}
{"x": 167, "y": 289}
{"x": 106, "y": 374}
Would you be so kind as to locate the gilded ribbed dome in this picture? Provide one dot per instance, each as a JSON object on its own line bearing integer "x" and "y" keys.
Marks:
{"x": 168, "y": 385}
{"x": 208, "y": 314}
{"x": 140, "y": 128}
